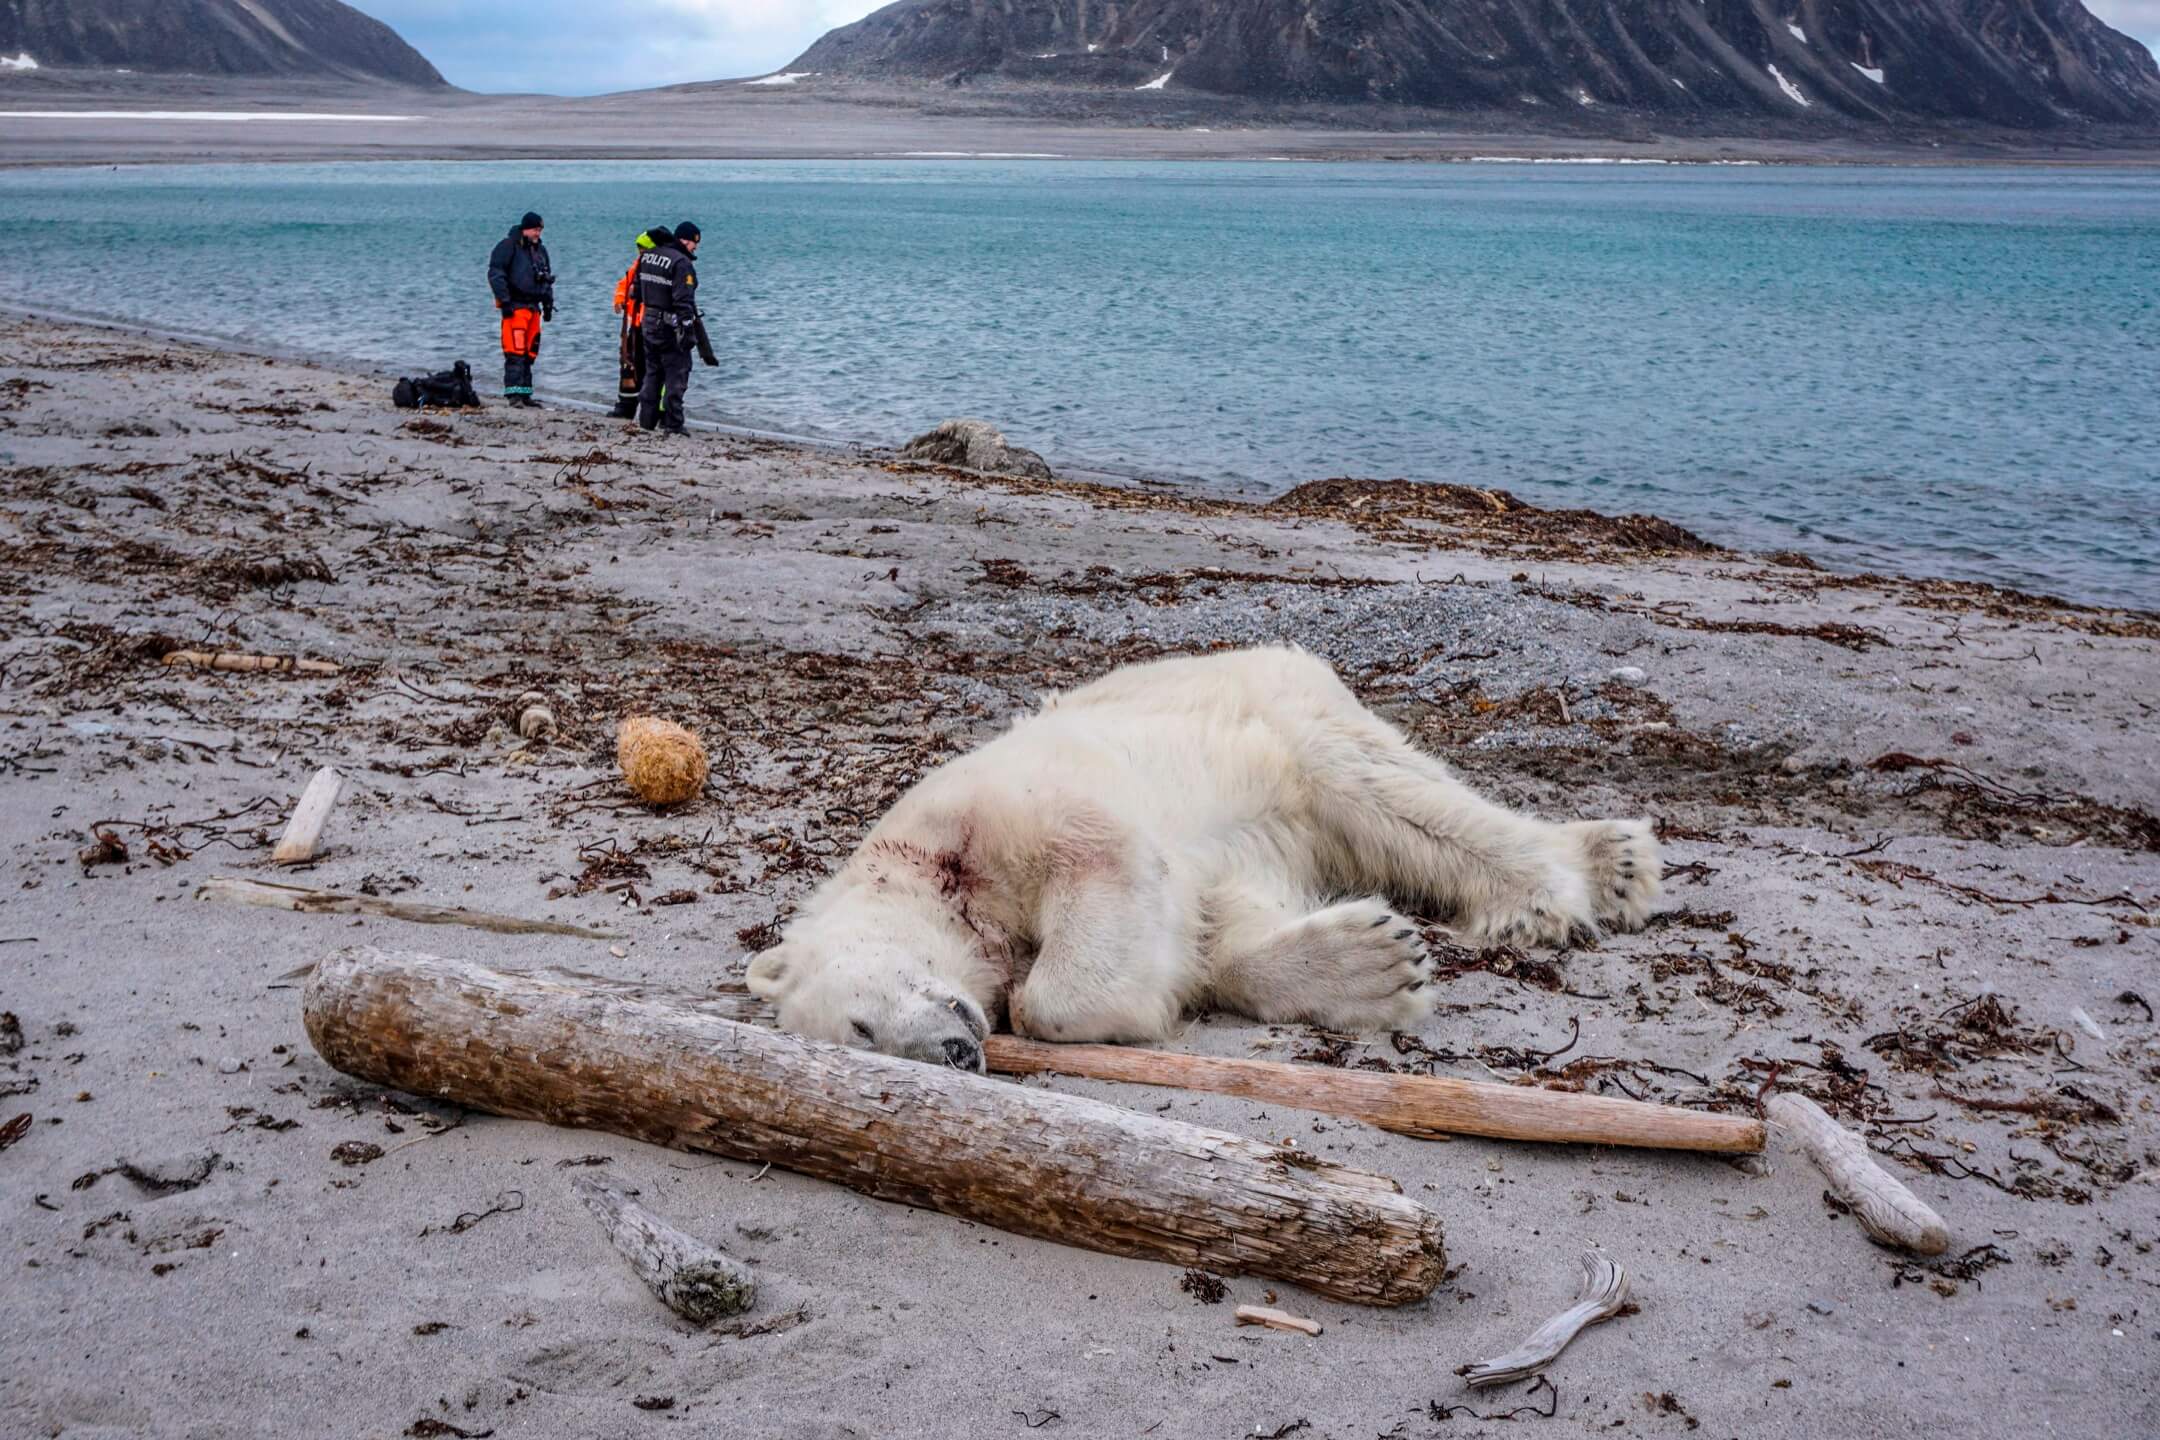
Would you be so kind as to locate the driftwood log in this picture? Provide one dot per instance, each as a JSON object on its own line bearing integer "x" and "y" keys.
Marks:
{"x": 1890, "y": 1213}
{"x": 1056, "y": 1167}
{"x": 250, "y": 664}
{"x": 691, "y": 1278}
{"x": 1425, "y": 1106}
{"x": 273, "y": 896}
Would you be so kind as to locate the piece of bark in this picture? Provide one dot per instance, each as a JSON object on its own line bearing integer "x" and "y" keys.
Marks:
{"x": 1276, "y": 1319}
{"x": 1425, "y": 1106}
{"x": 1035, "y": 1162}
{"x": 1604, "y": 1292}
{"x": 691, "y": 1278}
{"x": 274, "y": 896}
{"x": 303, "y": 833}
{"x": 1890, "y": 1213}
{"x": 230, "y": 660}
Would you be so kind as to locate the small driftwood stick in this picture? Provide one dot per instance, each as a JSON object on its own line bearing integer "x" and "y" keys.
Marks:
{"x": 1890, "y": 1213}
{"x": 303, "y": 833}
{"x": 1604, "y": 1291}
{"x": 273, "y": 896}
{"x": 228, "y": 660}
{"x": 1276, "y": 1319}
{"x": 691, "y": 1278}
{"x": 1426, "y": 1106}
{"x": 1035, "y": 1162}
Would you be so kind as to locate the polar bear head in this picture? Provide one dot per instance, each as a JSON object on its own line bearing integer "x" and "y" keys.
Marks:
{"x": 882, "y": 977}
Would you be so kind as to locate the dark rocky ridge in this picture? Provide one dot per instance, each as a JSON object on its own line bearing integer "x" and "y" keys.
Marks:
{"x": 2013, "y": 64}
{"x": 212, "y": 37}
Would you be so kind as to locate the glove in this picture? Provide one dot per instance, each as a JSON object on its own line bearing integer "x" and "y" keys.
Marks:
{"x": 547, "y": 311}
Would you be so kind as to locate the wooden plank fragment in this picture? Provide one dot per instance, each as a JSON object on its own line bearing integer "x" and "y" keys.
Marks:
{"x": 249, "y": 664}
{"x": 1035, "y": 1162}
{"x": 690, "y": 1277}
{"x": 274, "y": 896}
{"x": 1276, "y": 1319}
{"x": 303, "y": 833}
{"x": 1890, "y": 1213}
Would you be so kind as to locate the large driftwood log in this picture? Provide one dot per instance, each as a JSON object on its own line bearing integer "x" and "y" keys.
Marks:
{"x": 691, "y": 1278}
{"x": 1057, "y": 1167}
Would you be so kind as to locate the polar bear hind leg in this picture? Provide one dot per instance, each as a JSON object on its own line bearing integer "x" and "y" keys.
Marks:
{"x": 1411, "y": 829}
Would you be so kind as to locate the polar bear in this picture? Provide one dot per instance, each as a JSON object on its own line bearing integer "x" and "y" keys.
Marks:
{"x": 1233, "y": 831}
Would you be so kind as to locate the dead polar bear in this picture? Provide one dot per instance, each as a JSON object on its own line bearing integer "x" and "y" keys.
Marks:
{"x": 1182, "y": 835}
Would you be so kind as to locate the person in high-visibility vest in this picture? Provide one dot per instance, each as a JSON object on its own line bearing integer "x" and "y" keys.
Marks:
{"x": 630, "y": 343}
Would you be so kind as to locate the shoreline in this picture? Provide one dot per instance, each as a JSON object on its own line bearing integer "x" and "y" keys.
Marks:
{"x": 1910, "y": 836}
{"x": 1177, "y": 490}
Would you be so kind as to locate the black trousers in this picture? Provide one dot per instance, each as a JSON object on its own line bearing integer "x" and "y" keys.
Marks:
{"x": 630, "y": 381}
{"x": 667, "y": 377}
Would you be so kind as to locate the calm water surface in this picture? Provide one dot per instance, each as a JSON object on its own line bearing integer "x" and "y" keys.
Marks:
{"x": 1939, "y": 371}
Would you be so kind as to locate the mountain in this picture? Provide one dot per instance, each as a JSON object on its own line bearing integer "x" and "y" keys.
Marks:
{"x": 212, "y": 37}
{"x": 2017, "y": 64}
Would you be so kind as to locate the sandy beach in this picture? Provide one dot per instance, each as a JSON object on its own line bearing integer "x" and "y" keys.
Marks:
{"x": 1911, "y": 843}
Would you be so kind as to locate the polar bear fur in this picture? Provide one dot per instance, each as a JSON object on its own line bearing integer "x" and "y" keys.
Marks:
{"x": 1234, "y": 831}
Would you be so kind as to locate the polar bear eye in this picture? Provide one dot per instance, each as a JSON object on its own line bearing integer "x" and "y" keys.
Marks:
{"x": 862, "y": 1032}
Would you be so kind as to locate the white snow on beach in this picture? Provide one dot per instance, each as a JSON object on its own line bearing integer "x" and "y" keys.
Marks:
{"x": 785, "y": 77}
{"x": 20, "y": 62}
{"x": 1791, "y": 90}
{"x": 1872, "y": 74}
{"x": 223, "y": 116}
{"x": 1158, "y": 82}
{"x": 1797, "y": 33}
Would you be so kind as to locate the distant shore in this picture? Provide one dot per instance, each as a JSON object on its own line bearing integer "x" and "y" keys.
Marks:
{"x": 737, "y": 120}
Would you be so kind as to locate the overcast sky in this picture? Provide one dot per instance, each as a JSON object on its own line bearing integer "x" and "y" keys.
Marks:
{"x": 585, "y": 47}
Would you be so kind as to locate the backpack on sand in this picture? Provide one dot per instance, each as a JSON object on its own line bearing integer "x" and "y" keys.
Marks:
{"x": 450, "y": 389}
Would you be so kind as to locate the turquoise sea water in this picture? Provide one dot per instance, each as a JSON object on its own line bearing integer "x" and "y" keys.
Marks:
{"x": 1942, "y": 371}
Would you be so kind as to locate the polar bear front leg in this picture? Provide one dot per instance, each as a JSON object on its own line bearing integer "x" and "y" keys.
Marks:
{"x": 1114, "y": 960}
{"x": 1356, "y": 965}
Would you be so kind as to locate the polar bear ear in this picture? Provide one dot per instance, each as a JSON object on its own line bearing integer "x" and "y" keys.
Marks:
{"x": 770, "y": 974}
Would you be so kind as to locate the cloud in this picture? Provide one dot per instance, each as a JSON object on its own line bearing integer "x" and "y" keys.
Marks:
{"x": 2138, "y": 18}
{"x": 578, "y": 47}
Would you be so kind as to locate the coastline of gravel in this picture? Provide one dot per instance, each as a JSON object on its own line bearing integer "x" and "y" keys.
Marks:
{"x": 1908, "y": 824}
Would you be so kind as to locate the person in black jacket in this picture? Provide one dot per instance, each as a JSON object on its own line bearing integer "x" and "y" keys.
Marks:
{"x": 667, "y": 289}
{"x": 524, "y": 286}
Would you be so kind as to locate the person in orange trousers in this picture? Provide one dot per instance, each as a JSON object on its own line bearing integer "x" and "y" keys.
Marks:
{"x": 524, "y": 285}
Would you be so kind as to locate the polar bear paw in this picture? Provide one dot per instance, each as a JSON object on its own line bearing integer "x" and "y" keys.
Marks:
{"x": 1619, "y": 860}
{"x": 1363, "y": 967}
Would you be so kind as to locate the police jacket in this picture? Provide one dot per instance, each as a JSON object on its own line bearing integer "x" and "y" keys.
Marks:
{"x": 520, "y": 275}
{"x": 667, "y": 289}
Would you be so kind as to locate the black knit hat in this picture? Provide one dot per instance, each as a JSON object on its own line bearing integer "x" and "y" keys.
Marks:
{"x": 532, "y": 221}
{"x": 687, "y": 230}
